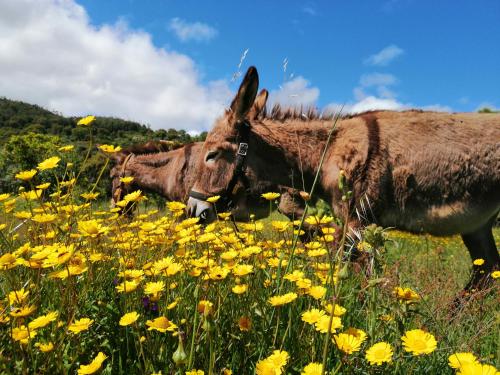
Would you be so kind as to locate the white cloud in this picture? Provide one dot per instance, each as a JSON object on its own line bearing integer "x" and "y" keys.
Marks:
{"x": 377, "y": 79}
{"x": 196, "y": 31}
{"x": 385, "y": 56}
{"x": 51, "y": 55}
{"x": 293, "y": 93}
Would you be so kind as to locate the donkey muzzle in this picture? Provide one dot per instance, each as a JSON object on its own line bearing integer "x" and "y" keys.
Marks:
{"x": 199, "y": 208}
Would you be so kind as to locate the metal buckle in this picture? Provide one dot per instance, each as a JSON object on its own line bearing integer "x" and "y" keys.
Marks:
{"x": 243, "y": 149}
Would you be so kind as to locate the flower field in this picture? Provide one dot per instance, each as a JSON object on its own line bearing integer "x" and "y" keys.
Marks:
{"x": 85, "y": 290}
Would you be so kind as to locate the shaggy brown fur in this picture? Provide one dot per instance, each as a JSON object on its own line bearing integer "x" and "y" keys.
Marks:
{"x": 419, "y": 171}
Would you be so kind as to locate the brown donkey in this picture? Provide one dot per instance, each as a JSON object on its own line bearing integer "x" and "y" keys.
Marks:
{"x": 171, "y": 174}
{"x": 430, "y": 172}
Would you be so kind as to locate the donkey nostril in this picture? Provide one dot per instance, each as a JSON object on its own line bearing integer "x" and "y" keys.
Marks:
{"x": 204, "y": 215}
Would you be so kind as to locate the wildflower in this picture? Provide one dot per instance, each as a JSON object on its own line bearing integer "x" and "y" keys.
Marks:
{"x": 45, "y": 348}
{"x": 93, "y": 366}
{"x": 43, "y": 186}
{"x": 195, "y": 372}
{"x": 457, "y": 360}
{"x": 135, "y": 196}
{"x": 127, "y": 180}
{"x": 419, "y": 342}
{"x": 4, "y": 197}
{"x": 242, "y": 269}
{"x": 154, "y": 288}
{"x": 213, "y": 199}
{"x": 337, "y": 309}
{"x": 406, "y": 294}
{"x": 22, "y": 334}
{"x": 359, "y": 333}
{"x": 294, "y": 276}
{"x": 324, "y": 322}
{"x": 270, "y": 196}
{"x": 127, "y": 286}
{"x": 379, "y": 353}
{"x": 347, "y": 343}
{"x": 161, "y": 324}
{"x": 80, "y": 325}
{"x": 7, "y": 261}
{"x": 91, "y": 228}
{"x": 89, "y": 196}
{"x": 313, "y": 368}
{"x": 312, "y": 316}
{"x": 273, "y": 364}
{"x": 18, "y": 296}
{"x": 282, "y": 300}
{"x": 477, "y": 369}
{"x": 317, "y": 292}
{"x": 280, "y": 226}
{"x": 66, "y": 148}
{"x": 86, "y": 121}
{"x": 495, "y": 274}
{"x": 205, "y": 307}
{"x": 129, "y": 318}
{"x": 26, "y": 175}
{"x": 478, "y": 262}
{"x": 43, "y": 320}
{"x": 240, "y": 289}
{"x": 244, "y": 324}
{"x": 44, "y": 218}
{"x": 49, "y": 163}
{"x": 110, "y": 149}
{"x": 22, "y": 312}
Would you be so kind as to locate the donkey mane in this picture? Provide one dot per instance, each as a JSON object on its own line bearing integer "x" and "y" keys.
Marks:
{"x": 308, "y": 113}
{"x": 152, "y": 147}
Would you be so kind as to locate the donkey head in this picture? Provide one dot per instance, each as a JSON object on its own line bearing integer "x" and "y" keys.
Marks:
{"x": 223, "y": 167}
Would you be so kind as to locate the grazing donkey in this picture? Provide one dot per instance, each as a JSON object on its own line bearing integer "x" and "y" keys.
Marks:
{"x": 156, "y": 167}
{"x": 430, "y": 172}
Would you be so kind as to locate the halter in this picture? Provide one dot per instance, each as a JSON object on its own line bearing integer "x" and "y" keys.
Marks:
{"x": 227, "y": 196}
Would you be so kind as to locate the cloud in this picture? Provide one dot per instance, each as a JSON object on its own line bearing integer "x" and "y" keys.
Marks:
{"x": 196, "y": 31}
{"x": 51, "y": 55}
{"x": 385, "y": 56}
{"x": 377, "y": 79}
{"x": 294, "y": 93}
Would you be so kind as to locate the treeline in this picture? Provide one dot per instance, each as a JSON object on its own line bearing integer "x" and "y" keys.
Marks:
{"x": 30, "y": 133}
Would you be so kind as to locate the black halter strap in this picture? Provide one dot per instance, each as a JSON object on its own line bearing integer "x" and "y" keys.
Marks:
{"x": 227, "y": 196}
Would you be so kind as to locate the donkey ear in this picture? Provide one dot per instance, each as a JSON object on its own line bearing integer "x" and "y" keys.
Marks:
{"x": 244, "y": 99}
{"x": 259, "y": 104}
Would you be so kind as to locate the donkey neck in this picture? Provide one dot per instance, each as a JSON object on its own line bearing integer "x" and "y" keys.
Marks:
{"x": 149, "y": 172}
{"x": 292, "y": 149}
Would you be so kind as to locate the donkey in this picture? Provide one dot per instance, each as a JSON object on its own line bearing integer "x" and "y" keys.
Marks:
{"x": 437, "y": 173}
{"x": 159, "y": 168}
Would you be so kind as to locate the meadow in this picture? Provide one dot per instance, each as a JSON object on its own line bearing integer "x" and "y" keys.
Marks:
{"x": 86, "y": 290}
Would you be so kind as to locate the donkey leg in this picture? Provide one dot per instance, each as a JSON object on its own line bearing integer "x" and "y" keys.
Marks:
{"x": 481, "y": 245}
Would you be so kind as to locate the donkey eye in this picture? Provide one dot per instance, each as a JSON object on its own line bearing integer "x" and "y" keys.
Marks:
{"x": 211, "y": 155}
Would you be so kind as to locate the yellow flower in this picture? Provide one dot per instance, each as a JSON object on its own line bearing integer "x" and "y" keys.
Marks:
{"x": 406, "y": 294}
{"x": 195, "y": 372}
{"x": 23, "y": 311}
{"x": 127, "y": 286}
{"x": 129, "y": 318}
{"x": 45, "y": 348}
{"x": 213, "y": 199}
{"x": 80, "y": 325}
{"x": 93, "y": 366}
{"x": 280, "y": 226}
{"x": 110, "y": 149}
{"x": 4, "y": 197}
{"x": 26, "y": 175}
{"x": 317, "y": 292}
{"x": 128, "y": 179}
{"x": 44, "y": 218}
{"x": 478, "y": 262}
{"x": 49, "y": 163}
{"x": 419, "y": 342}
{"x": 495, "y": 274}
{"x": 323, "y": 323}
{"x": 43, "y": 186}
{"x": 22, "y": 334}
{"x": 89, "y": 196}
{"x": 359, "y": 333}
{"x": 379, "y": 353}
{"x": 43, "y": 320}
{"x": 154, "y": 288}
{"x": 282, "y": 300}
{"x": 18, "y": 296}
{"x": 240, "y": 289}
{"x": 66, "y": 148}
{"x": 205, "y": 307}
{"x": 337, "y": 310}
{"x": 347, "y": 343}
{"x": 477, "y": 369}
{"x": 86, "y": 121}
{"x": 91, "y": 228}
{"x": 313, "y": 368}
{"x": 242, "y": 270}
{"x": 270, "y": 196}
{"x": 273, "y": 364}
{"x": 161, "y": 324}
{"x": 312, "y": 316}
{"x": 457, "y": 360}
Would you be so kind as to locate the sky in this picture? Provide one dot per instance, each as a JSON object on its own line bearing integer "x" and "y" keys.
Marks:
{"x": 177, "y": 64}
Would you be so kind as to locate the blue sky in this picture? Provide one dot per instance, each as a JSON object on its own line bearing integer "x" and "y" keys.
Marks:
{"x": 390, "y": 54}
